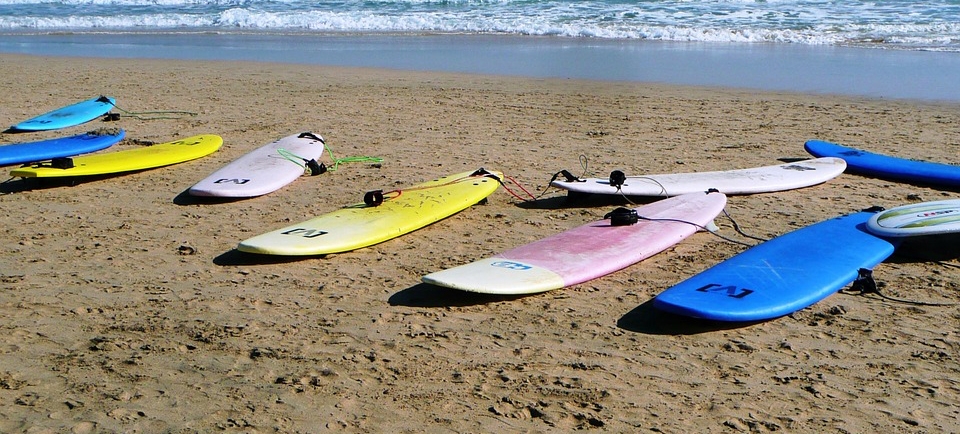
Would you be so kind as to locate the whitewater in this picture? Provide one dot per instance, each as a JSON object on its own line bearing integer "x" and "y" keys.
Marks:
{"x": 911, "y": 25}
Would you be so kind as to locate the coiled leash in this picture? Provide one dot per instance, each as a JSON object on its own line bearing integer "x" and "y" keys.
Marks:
{"x": 310, "y": 166}
{"x": 313, "y": 167}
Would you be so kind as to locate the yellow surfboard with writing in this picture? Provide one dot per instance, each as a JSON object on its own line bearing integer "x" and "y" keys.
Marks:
{"x": 381, "y": 217}
{"x": 128, "y": 160}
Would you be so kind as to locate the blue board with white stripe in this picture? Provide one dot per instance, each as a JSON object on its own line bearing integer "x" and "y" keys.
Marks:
{"x": 888, "y": 167}
{"x": 780, "y": 276}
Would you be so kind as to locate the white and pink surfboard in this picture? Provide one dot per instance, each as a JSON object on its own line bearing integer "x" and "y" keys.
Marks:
{"x": 265, "y": 169}
{"x": 586, "y": 252}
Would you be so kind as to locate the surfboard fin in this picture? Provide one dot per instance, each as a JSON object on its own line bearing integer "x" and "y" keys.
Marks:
{"x": 712, "y": 226}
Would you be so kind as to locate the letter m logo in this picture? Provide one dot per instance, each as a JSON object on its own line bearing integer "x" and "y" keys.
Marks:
{"x": 231, "y": 181}
{"x": 729, "y": 290}
{"x": 306, "y": 233}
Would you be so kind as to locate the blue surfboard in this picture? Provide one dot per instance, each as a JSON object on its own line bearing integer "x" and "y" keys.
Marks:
{"x": 30, "y": 152}
{"x": 71, "y": 115}
{"x": 780, "y": 276}
{"x": 887, "y": 167}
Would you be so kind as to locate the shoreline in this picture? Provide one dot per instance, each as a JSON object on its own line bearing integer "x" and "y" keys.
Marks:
{"x": 127, "y": 307}
{"x": 823, "y": 70}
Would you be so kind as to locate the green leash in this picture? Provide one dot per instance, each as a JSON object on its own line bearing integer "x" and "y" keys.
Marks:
{"x": 318, "y": 168}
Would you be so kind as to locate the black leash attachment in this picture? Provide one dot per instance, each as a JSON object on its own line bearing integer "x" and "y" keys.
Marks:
{"x": 373, "y": 198}
{"x": 62, "y": 163}
{"x": 622, "y": 217}
{"x": 864, "y": 283}
{"x": 617, "y": 178}
{"x": 484, "y": 172}
{"x": 310, "y": 135}
{"x": 315, "y": 167}
{"x": 567, "y": 176}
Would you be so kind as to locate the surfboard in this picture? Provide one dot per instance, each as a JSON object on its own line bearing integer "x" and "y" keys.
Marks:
{"x": 918, "y": 219}
{"x": 71, "y": 115}
{"x": 887, "y": 167}
{"x": 29, "y": 152}
{"x": 147, "y": 157}
{"x": 731, "y": 182}
{"x": 780, "y": 276}
{"x": 586, "y": 252}
{"x": 265, "y": 169}
{"x": 381, "y": 217}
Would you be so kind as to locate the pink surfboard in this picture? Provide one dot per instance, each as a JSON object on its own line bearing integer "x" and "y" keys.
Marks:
{"x": 586, "y": 252}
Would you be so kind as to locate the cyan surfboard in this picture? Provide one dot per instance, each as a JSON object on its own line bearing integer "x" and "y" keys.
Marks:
{"x": 31, "y": 152}
{"x": 888, "y": 167}
{"x": 780, "y": 276}
{"x": 71, "y": 115}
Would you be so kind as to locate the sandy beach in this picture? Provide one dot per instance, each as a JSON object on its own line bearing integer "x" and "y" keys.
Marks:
{"x": 126, "y": 308}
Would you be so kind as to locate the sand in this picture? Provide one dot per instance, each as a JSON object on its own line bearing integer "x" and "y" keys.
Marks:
{"x": 126, "y": 308}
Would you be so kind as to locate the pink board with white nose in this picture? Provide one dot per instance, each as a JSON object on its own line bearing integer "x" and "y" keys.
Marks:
{"x": 586, "y": 252}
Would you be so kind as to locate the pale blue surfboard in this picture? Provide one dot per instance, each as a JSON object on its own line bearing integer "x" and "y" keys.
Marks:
{"x": 71, "y": 115}
{"x": 30, "y": 152}
{"x": 780, "y": 276}
{"x": 887, "y": 167}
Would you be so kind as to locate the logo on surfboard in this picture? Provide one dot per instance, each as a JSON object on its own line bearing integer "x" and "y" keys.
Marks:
{"x": 728, "y": 290}
{"x": 306, "y": 233}
{"x": 511, "y": 265}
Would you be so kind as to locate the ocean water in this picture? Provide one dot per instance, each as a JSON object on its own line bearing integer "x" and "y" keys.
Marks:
{"x": 919, "y": 25}
{"x": 882, "y": 48}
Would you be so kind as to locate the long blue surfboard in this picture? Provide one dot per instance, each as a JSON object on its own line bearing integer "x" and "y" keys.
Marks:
{"x": 71, "y": 115}
{"x": 780, "y": 276}
{"x": 30, "y": 152}
{"x": 888, "y": 167}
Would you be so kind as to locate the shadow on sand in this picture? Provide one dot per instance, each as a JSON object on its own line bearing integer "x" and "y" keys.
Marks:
{"x": 651, "y": 321}
{"x": 426, "y": 295}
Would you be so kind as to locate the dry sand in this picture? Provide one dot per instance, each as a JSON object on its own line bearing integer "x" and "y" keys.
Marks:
{"x": 126, "y": 309}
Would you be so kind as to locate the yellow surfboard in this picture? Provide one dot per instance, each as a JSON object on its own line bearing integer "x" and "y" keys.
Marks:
{"x": 147, "y": 157}
{"x": 380, "y": 218}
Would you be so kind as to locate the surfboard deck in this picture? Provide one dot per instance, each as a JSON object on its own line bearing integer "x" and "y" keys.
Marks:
{"x": 363, "y": 225}
{"x": 780, "y": 276}
{"x": 68, "y": 116}
{"x": 887, "y": 167}
{"x": 586, "y": 252}
{"x": 147, "y": 157}
{"x": 263, "y": 170}
{"x": 919, "y": 219}
{"x": 730, "y": 182}
{"x": 29, "y": 152}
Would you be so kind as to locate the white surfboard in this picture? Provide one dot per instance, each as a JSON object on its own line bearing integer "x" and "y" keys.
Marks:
{"x": 586, "y": 252}
{"x": 919, "y": 219}
{"x": 265, "y": 169}
{"x": 741, "y": 181}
